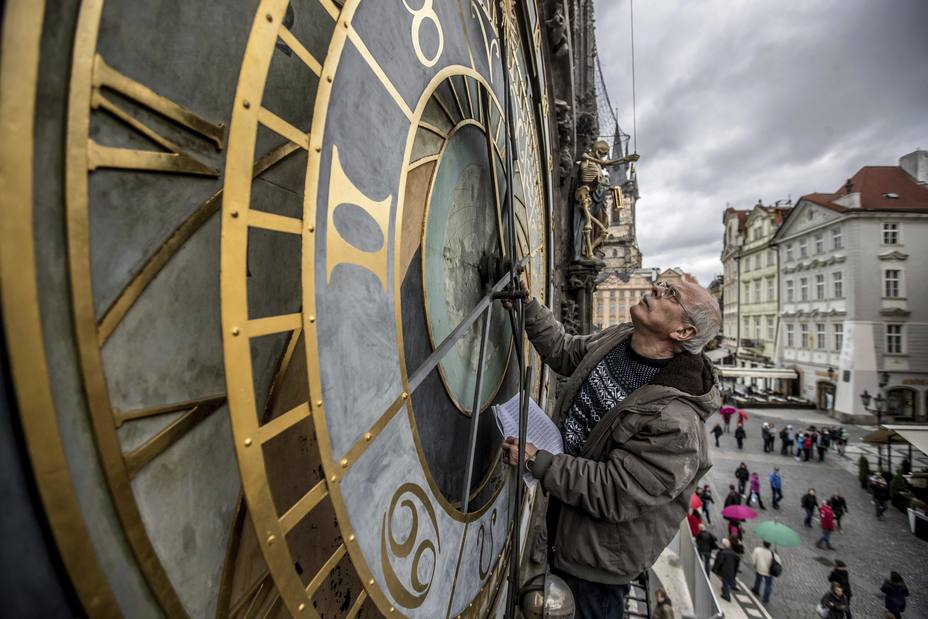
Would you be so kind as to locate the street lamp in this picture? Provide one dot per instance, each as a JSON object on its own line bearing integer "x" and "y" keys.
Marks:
{"x": 879, "y": 403}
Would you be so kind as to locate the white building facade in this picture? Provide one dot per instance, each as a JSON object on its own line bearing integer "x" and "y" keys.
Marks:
{"x": 853, "y": 299}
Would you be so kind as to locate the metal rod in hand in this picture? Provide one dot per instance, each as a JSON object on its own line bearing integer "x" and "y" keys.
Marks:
{"x": 475, "y": 412}
{"x": 515, "y": 548}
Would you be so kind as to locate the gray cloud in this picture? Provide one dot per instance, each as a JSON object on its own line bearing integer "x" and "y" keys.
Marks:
{"x": 745, "y": 100}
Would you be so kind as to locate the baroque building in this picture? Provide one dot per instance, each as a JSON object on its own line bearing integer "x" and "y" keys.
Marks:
{"x": 757, "y": 266}
{"x": 733, "y": 220}
{"x": 853, "y": 307}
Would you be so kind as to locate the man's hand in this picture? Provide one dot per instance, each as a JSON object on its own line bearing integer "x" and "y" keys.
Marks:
{"x": 511, "y": 450}
{"x": 524, "y": 288}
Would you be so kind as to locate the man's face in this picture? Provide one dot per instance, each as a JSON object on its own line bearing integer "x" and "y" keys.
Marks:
{"x": 662, "y": 310}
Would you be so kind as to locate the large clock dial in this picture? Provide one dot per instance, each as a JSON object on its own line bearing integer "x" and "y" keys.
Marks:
{"x": 261, "y": 287}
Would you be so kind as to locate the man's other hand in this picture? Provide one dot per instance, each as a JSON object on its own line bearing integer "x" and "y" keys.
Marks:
{"x": 511, "y": 450}
{"x": 524, "y": 288}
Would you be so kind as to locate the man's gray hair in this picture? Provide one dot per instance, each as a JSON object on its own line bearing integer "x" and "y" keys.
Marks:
{"x": 707, "y": 319}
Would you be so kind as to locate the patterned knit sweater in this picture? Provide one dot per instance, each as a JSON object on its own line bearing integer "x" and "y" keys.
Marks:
{"x": 619, "y": 373}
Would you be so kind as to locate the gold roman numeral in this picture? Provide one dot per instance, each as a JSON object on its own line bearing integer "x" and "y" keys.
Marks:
{"x": 176, "y": 159}
{"x": 340, "y": 251}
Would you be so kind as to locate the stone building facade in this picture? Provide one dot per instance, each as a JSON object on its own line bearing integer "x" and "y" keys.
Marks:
{"x": 734, "y": 221}
{"x": 758, "y": 287}
{"x": 854, "y": 310}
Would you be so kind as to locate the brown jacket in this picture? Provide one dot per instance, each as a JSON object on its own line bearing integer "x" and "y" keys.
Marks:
{"x": 623, "y": 498}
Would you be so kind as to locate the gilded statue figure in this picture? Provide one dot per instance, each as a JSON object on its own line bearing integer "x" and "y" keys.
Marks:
{"x": 590, "y": 198}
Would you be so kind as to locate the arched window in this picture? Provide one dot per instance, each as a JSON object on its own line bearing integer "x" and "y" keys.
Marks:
{"x": 901, "y": 402}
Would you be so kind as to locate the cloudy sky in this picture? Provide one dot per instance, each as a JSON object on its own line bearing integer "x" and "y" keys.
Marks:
{"x": 739, "y": 100}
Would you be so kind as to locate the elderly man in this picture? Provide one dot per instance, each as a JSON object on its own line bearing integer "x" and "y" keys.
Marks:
{"x": 631, "y": 415}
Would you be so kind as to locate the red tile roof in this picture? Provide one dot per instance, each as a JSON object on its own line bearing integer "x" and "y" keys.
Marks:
{"x": 873, "y": 183}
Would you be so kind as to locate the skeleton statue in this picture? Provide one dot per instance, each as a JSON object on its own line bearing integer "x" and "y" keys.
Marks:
{"x": 590, "y": 199}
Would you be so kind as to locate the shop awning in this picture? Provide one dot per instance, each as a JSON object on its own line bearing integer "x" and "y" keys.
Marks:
{"x": 729, "y": 371}
{"x": 916, "y": 435}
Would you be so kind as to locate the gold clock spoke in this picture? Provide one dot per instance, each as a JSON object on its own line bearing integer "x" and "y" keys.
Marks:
{"x": 467, "y": 94}
{"x": 355, "y": 38}
{"x": 121, "y": 417}
{"x": 274, "y": 222}
{"x": 133, "y": 290}
{"x": 301, "y": 52}
{"x": 303, "y": 506}
{"x": 155, "y": 446}
{"x": 326, "y": 568}
{"x": 457, "y": 99}
{"x": 423, "y": 160}
{"x": 430, "y": 127}
{"x": 330, "y": 8}
{"x": 274, "y": 324}
{"x": 280, "y": 126}
{"x": 356, "y": 607}
{"x": 282, "y": 423}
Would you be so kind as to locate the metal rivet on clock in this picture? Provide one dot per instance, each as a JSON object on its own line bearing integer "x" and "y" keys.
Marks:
{"x": 235, "y": 331}
{"x": 247, "y": 442}
{"x": 344, "y": 463}
{"x": 270, "y": 540}
{"x": 368, "y": 436}
{"x": 234, "y": 214}
{"x": 269, "y": 17}
{"x": 312, "y": 319}
{"x": 301, "y": 607}
{"x": 311, "y": 228}
{"x": 246, "y": 104}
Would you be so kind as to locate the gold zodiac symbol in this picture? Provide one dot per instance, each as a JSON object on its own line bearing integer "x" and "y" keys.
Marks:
{"x": 423, "y": 13}
{"x": 402, "y": 549}
{"x": 481, "y": 539}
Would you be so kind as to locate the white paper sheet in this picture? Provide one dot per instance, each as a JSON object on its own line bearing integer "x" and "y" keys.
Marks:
{"x": 540, "y": 430}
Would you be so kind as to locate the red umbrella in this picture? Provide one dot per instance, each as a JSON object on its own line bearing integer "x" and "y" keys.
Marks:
{"x": 739, "y": 512}
{"x": 695, "y": 502}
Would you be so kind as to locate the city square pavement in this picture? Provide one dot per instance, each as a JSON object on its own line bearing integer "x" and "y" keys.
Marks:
{"x": 870, "y": 547}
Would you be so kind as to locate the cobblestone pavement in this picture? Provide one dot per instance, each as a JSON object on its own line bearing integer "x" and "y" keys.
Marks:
{"x": 870, "y": 547}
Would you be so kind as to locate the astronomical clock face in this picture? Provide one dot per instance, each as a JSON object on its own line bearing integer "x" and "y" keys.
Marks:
{"x": 250, "y": 302}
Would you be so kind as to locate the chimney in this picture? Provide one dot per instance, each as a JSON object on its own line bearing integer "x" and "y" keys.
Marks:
{"x": 849, "y": 186}
{"x": 915, "y": 164}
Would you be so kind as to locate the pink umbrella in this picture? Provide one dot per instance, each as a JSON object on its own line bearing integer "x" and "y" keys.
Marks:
{"x": 695, "y": 502}
{"x": 727, "y": 410}
{"x": 739, "y": 512}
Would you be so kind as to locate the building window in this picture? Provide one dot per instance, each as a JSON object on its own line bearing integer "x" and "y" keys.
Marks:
{"x": 745, "y": 332}
{"x": 756, "y": 261}
{"x": 837, "y": 281}
{"x": 820, "y": 243}
{"x": 820, "y": 335}
{"x": 803, "y": 288}
{"x": 839, "y": 336}
{"x": 891, "y": 280}
{"x": 790, "y": 332}
{"x": 789, "y": 252}
{"x": 770, "y": 289}
{"x": 747, "y": 293}
{"x": 757, "y": 298}
{"x": 757, "y": 327}
{"x": 894, "y": 339}
{"x": 803, "y": 335}
{"x": 770, "y": 258}
{"x": 837, "y": 241}
{"x": 803, "y": 248}
{"x": 770, "y": 327}
{"x": 820, "y": 286}
{"x": 790, "y": 289}
{"x": 890, "y": 234}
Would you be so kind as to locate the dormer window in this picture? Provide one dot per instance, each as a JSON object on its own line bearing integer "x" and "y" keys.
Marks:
{"x": 891, "y": 196}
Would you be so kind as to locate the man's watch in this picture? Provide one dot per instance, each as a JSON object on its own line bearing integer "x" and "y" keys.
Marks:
{"x": 529, "y": 462}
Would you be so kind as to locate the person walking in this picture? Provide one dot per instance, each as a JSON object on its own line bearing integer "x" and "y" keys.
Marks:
{"x": 762, "y": 562}
{"x": 755, "y": 491}
{"x": 717, "y": 432}
{"x": 834, "y": 603}
{"x": 840, "y": 575}
{"x": 733, "y": 497}
{"x": 663, "y": 607}
{"x": 742, "y": 417}
{"x": 706, "y": 542}
{"x": 742, "y": 475}
{"x": 694, "y": 520}
{"x": 809, "y": 503}
{"x": 827, "y": 518}
{"x": 784, "y": 441}
{"x": 776, "y": 487}
{"x": 839, "y": 507}
{"x": 842, "y": 441}
{"x": 824, "y": 442}
{"x": 705, "y": 495}
{"x": 790, "y": 439}
{"x": 740, "y": 435}
{"x": 808, "y": 438}
{"x": 765, "y": 435}
{"x": 726, "y": 568}
{"x": 727, "y": 412}
{"x": 798, "y": 443}
{"x": 895, "y": 591}
{"x": 880, "y": 490}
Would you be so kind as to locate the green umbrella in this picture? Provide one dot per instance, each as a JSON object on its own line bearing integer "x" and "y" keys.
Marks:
{"x": 776, "y": 533}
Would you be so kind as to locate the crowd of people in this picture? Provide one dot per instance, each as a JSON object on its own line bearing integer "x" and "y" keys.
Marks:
{"x": 809, "y": 444}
